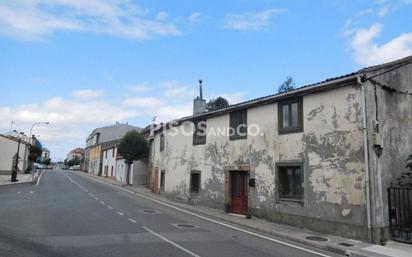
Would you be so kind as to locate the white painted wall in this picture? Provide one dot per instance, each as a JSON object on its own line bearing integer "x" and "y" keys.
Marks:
{"x": 109, "y": 160}
{"x": 8, "y": 148}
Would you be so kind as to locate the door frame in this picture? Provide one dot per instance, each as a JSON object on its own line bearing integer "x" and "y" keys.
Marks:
{"x": 228, "y": 186}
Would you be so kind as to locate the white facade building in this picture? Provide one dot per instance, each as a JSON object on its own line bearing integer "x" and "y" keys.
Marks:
{"x": 8, "y": 148}
{"x": 109, "y": 162}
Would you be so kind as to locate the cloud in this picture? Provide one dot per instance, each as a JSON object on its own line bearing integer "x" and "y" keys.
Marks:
{"x": 71, "y": 120}
{"x": 252, "y": 21}
{"x": 142, "y": 102}
{"x": 367, "y": 52}
{"x": 74, "y": 116}
{"x": 35, "y": 19}
{"x": 141, "y": 88}
{"x": 162, "y": 16}
{"x": 87, "y": 93}
{"x": 194, "y": 17}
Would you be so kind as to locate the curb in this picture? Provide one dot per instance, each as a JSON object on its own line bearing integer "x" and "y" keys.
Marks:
{"x": 326, "y": 246}
{"x": 17, "y": 185}
{"x": 24, "y": 184}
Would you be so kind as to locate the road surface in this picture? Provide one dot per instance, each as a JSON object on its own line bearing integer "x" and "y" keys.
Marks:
{"x": 67, "y": 214}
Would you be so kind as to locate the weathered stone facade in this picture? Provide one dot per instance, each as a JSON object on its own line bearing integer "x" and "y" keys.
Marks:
{"x": 331, "y": 148}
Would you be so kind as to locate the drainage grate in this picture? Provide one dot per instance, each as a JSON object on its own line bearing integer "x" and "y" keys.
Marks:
{"x": 151, "y": 211}
{"x": 345, "y": 244}
{"x": 316, "y": 238}
{"x": 184, "y": 225}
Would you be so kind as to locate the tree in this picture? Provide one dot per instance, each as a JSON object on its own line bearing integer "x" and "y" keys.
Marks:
{"x": 35, "y": 153}
{"x": 133, "y": 146}
{"x": 287, "y": 85}
{"x": 46, "y": 161}
{"x": 216, "y": 104}
{"x": 75, "y": 161}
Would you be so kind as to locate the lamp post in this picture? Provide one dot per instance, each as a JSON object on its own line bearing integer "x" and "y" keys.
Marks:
{"x": 37, "y": 123}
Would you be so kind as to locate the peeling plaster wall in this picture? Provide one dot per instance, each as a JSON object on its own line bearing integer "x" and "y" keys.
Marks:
{"x": 331, "y": 149}
{"x": 394, "y": 113}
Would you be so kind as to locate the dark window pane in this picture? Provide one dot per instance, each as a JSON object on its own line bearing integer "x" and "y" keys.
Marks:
{"x": 290, "y": 182}
{"x": 162, "y": 180}
{"x": 290, "y": 117}
{"x": 238, "y": 124}
{"x": 285, "y": 116}
{"x": 199, "y": 132}
{"x": 162, "y": 142}
{"x": 295, "y": 115}
{"x": 195, "y": 182}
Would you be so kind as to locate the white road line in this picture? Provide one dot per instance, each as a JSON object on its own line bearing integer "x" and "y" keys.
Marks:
{"x": 120, "y": 213}
{"x": 31, "y": 192}
{"x": 19, "y": 192}
{"x": 224, "y": 224}
{"x": 97, "y": 198}
{"x": 110, "y": 207}
{"x": 131, "y": 220}
{"x": 102, "y": 202}
{"x": 38, "y": 179}
{"x": 171, "y": 242}
{"x": 75, "y": 182}
{"x": 219, "y": 222}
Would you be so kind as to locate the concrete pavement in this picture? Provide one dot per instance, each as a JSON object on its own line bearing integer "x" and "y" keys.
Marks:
{"x": 67, "y": 214}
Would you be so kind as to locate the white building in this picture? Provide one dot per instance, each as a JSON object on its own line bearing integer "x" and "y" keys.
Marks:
{"x": 109, "y": 159}
{"x": 8, "y": 148}
{"x": 75, "y": 153}
{"x": 45, "y": 154}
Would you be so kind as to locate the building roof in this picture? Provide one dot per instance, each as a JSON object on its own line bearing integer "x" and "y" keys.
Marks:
{"x": 22, "y": 141}
{"x": 327, "y": 84}
{"x": 112, "y": 132}
{"x": 77, "y": 150}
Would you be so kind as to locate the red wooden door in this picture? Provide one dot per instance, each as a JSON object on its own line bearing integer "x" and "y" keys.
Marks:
{"x": 239, "y": 193}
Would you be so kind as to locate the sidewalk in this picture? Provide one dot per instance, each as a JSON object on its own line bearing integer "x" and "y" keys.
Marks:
{"x": 23, "y": 179}
{"x": 340, "y": 245}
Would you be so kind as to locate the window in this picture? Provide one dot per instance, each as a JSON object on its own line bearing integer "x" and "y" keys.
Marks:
{"x": 111, "y": 172}
{"x": 290, "y": 114}
{"x": 113, "y": 152}
{"x": 238, "y": 125}
{"x": 290, "y": 181}
{"x": 162, "y": 180}
{"x": 195, "y": 181}
{"x": 106, "y": 154}
{"x": 162, "y": 142}
{"x": 199, "y": 132}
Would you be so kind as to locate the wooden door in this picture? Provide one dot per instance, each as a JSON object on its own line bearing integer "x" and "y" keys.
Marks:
{"x": 155, "y": 177}
{"x": 239, "y": 193}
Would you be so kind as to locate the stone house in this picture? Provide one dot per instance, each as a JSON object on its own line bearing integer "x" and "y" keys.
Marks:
{"x": 319, "y": 157}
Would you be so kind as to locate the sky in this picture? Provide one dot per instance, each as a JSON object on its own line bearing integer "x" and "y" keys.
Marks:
{"x": 85, "y": 64}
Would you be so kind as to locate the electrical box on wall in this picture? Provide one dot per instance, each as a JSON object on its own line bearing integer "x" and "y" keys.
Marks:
{"x": 376, "y": 139}
{"x": 252, "y": 182}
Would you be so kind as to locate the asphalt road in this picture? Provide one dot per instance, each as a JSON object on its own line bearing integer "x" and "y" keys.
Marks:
{"x": 69, "y": 215}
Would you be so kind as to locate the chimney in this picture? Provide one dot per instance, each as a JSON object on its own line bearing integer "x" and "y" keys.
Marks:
{"x": 199, "y": 104}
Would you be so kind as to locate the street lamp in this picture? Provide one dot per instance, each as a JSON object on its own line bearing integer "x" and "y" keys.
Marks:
{"x": 37, "y": 123}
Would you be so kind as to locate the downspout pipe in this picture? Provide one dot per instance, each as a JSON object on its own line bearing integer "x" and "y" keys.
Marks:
{"x": 366, "y": 156}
